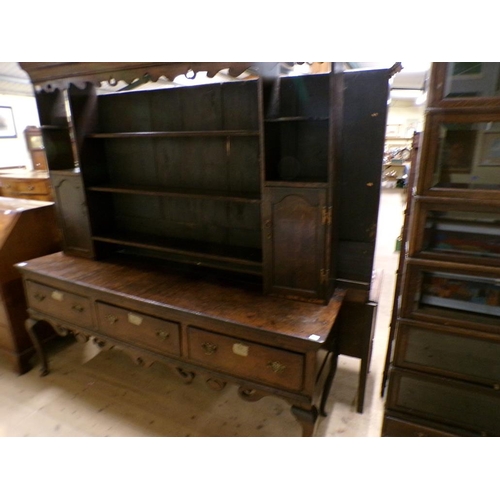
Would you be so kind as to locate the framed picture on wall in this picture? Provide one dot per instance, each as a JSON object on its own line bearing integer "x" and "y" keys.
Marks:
{"x": 7, "y": 125}
{"x": 490, "y": 151}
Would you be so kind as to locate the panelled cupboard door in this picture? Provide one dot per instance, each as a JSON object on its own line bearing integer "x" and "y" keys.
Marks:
{"x": 295, "y": 242}
{"x": 72, "y": 213}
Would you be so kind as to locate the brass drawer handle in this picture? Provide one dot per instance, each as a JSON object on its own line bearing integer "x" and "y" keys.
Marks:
{"x": 39, "y": 296}
{"x": 111, "y": 319}
{"x": 276, "y": 367}
{"x": 77, "y": 307}
{"x": 31, "y": 187}
{"x": 208, "y": 348}
{"x": 161, "y": 334}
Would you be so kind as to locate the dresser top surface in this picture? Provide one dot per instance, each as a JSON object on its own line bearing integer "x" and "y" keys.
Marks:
{"x": 10, "y": 206}
{"x": 24, "y": 174}
{"x": 216, "y": 299}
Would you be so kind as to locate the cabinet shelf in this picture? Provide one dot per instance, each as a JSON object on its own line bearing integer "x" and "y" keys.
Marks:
{"x": 176, "y": 133}
{"x": 296, "y": 119}
{"x": 297, "y": 183}
{"x": 196, "y": 250}
{"x": 54, "y": 127}
{"x": 178, "y": 193}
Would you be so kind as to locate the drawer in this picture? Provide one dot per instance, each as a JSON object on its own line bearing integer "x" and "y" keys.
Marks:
{"x": 25, "y": 186}
{"x": 445, "y": 401}
{"x": 249, "y": 360}
{"x": 146, "y": 331}
{"x": 464, "y": 355}
{"x": 59, "y": 304}
{"x": 397, "y": 427}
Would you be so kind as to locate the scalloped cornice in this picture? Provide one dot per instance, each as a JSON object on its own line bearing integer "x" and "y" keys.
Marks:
{"x": 51, "y": 76}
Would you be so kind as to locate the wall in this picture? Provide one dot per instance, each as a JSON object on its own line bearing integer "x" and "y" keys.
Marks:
{"x": 407, "y": 118}
{"x": 14, "y": 152}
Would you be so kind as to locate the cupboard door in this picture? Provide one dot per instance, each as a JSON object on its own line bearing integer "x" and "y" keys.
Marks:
{"x": 72, "y": 212}
{"x": 294, "y": 232}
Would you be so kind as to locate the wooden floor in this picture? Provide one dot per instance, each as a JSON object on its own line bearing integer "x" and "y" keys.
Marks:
{"x": 106, "y": 394}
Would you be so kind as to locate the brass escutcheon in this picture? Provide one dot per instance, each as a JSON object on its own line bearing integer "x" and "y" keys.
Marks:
{"x": 276, "y": 367}
{"x": 208, "y": 348}
{"x": 111, "y": 319}
{"x": 161, "y": 334}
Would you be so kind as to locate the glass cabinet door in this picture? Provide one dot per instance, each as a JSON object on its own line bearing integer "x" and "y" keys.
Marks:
{"x": 472, "y": 79}
{"x": 465, "y": 84}
{"x": 462, "y": 155}
{"x": 454, "y": 298}
{"x": 460, "y": 234}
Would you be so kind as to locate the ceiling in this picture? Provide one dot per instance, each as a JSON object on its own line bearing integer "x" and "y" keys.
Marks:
{"x": 406, "y": 85}
{"x": 13, "y": 80}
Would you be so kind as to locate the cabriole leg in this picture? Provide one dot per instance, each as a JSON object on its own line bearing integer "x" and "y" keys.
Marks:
{"x": 307, "y": 418}
{"x": 31, "y": 329}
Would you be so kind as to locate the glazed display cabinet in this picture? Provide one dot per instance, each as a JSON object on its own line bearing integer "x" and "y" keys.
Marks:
{"x": 445, "y": 376}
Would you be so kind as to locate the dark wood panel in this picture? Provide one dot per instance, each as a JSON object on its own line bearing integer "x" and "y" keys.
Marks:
{"x": 458, "y": 353}
{"x": 362, "y": 148}
{"x": 445, "y": 400}
{"x": 355, "y": 260}
{"x": 240, "y": 106}
{"x": 72, "y": 213}
{"x": 305, "y": 96}
{"x": 294, "y": 241}
{"x": 125, "y": 112}
{"x": 400, "y": 427}
{"x": 51, "y": 108}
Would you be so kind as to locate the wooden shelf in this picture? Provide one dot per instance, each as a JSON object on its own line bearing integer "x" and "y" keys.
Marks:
{"x": 297, "y": 183}
{"x": 195, "y": 249}
{"x": 296, "y": 119}
{"x": 178, "y": 193}
{"x": 54, "y": 127}
{"x": 178, "y": 133}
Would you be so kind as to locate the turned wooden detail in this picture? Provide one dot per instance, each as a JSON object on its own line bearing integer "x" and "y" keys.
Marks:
{"x": 81, "y": 337}
{"x": 216, "y": 384}
{"x": 186, "y": 376}
{"x": 250, "y": 395}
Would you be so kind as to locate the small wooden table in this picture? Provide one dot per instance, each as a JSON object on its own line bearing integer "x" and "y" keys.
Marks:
{"x": 227, "y": 331}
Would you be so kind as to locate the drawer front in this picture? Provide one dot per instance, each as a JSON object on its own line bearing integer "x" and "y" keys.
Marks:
{"x": 159, "y": 335}
{"x": 260, "y": 363}
{"x": 59, "y": 304}
{"x": 466, "y": 356}
{"x": 394, "y": 427}
{"x": 443, "y": 400}
{"x": 27, "y": 187}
